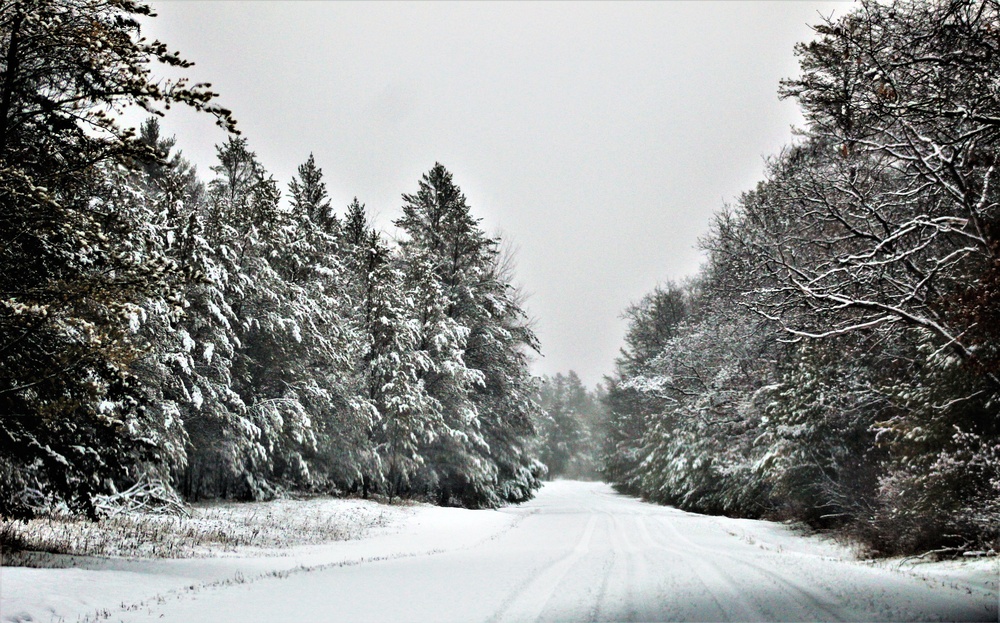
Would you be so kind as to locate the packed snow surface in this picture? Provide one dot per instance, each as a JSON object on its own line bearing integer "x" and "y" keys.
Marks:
{"x": 578, "y": 552}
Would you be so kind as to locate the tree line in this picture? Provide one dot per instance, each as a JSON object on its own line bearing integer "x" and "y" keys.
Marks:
{"x": 228, "y": 338}
{"x": 569, "y": 426}
{"x": 837, "y": 358}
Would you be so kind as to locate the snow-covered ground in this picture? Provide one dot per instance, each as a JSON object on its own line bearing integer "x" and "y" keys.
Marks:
{"x": 205, "y": 529}
{"x": 577, "y": 552}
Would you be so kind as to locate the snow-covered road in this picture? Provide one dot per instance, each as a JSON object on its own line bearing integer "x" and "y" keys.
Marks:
{"x": 579, "y": 552}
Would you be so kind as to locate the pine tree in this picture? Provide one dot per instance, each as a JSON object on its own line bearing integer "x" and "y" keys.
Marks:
{"x": 481, "y": 378}
{"x": 309, "y": 197}
{"x": 374, "y": 287}
{"x": 166, "y": 192}
{"x": 315, "y": 365}
{"x": 70, "y": 293}
{"x": 565, "y": 430}
{"x": 356, "y": 225}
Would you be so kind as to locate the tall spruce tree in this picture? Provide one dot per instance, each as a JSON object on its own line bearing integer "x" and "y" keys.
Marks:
{"x": 486, "y": 393}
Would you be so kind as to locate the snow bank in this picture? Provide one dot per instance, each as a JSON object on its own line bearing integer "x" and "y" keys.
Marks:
{"x": 91, "y": 588}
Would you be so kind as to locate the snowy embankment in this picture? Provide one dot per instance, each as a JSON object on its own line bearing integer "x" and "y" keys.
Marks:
{"x": 577, "y": 552}
{"x": 977, "y": 578}
{"x": 230, "y": 544}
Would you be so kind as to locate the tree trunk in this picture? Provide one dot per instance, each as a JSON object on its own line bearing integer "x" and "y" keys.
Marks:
{"x": 7, "y": 98}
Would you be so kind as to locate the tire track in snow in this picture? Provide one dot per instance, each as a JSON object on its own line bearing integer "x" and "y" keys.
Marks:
{"x": 619, "y": 569}
{"x": 807, "y": 600}
{"x": 639, "y": 572}
{"x": 528, "y": 600}
{"x": 723, "y": 591}
{"x": 606, "y": 571}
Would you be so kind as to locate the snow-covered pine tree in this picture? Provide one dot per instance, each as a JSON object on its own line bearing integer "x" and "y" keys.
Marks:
{"x": 499, "y": 346}
{"x": 71, "y": 422}
{"x": 309, "y": 198}
{"x": 455, "y": 454}
{"x": 411, "y": 416}
{"x": 486, "y": 393}
{"x": 267, "y": 436}
{"x": 567, "y": 416}
{"x": 351, "y": 448}
{"x": 816, "y": 450}
{"x": 356, "y": 226}
{"x": 316, "y": 365}
{"x": 652, "y": 322}
{"x": 163, "y": 191}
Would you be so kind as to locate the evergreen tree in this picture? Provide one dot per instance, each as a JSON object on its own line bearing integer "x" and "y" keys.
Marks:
{"x": 309, "y": 197}
{"x": 480, "y": 377}
{"x": 569, "y": 415}
{"x": 70, "y": 294}
{"x": 652, "y": 323}
{"x": 356, "y": 225}
{"x": 375, "y": 287}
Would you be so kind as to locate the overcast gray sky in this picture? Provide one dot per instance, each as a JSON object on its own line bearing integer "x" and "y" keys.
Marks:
{"x": 596, "y": 138}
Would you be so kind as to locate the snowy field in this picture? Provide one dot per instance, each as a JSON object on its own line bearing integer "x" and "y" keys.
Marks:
{"x": 577, "y": 552}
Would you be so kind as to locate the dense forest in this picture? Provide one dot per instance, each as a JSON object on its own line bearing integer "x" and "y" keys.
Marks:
{"x": 837, "y": 358}
{"x": 569, "y": 425}
{"x": 225, "y": 338}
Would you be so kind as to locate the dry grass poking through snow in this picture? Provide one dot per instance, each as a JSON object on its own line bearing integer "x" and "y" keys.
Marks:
{"x": 210, "y": 529}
